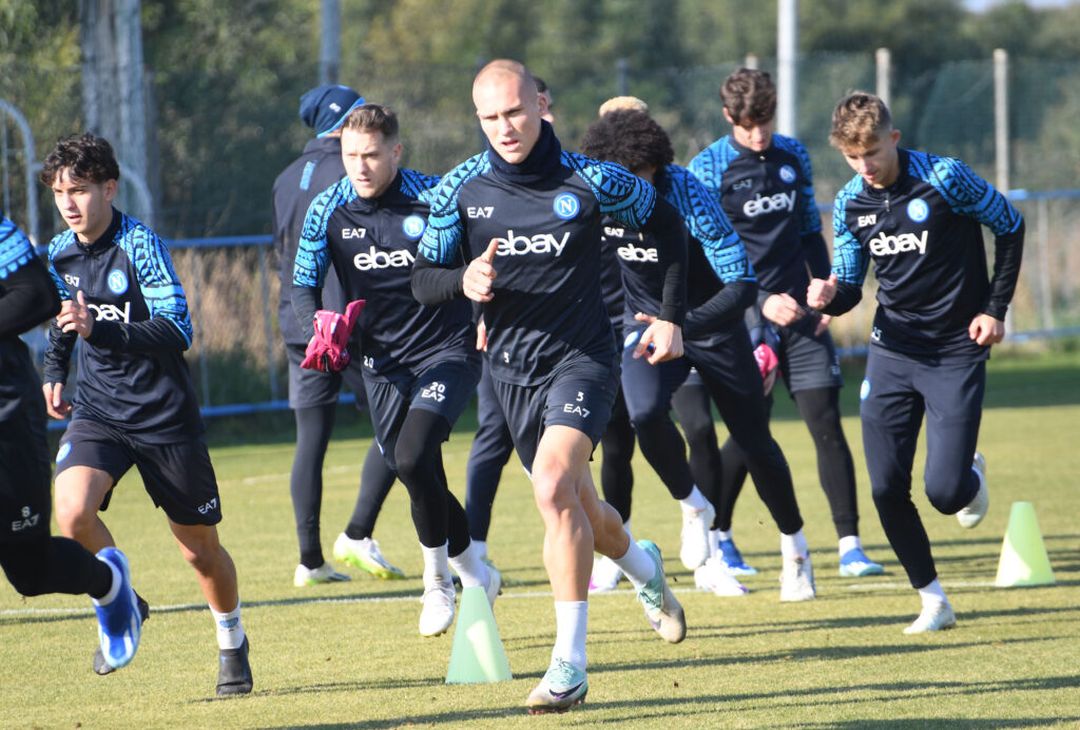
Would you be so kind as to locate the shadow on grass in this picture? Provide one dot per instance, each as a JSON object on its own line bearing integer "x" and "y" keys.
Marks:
{"x": 708, "y": 705}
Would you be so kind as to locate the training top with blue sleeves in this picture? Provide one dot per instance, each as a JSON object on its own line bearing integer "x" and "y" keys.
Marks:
{"x": 718, "y": 261}
{"x": 372, "y": 245}
{"x": 924, "y": 234}
{"x": 316, "y": 169}
{"x": 769, "y": 197}
{"x": 132, "y": 373}
{"x": 27, "y": 298}
{"x": 546, "y": 214}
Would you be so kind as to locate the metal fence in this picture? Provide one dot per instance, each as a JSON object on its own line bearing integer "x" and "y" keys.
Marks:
{"x": 238, "y": 358}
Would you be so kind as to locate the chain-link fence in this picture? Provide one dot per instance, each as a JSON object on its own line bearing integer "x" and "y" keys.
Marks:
{"x": 213, "y": 165}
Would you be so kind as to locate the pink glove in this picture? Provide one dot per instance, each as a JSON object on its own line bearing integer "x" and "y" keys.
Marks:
{"x": 328, "y": 350}
{"x": 768, "y": 364}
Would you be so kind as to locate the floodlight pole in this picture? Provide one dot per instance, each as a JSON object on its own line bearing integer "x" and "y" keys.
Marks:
{"x": 330, "y": 42}
{"x": 787, "y": 52}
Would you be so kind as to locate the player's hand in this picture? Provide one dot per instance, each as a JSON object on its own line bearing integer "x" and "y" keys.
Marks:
{"x": 481, "y": 336}
{"x": 821, "y": 292}
{"x": 822, "y": 325}
{"x": 782, "y": 309}
{"x": 661, "y": 340}
{"x": 54, "y": 402}
{"x": 480, "y": 275}
{"x": 75, "y": 316}
{"x": 986, "y": 330}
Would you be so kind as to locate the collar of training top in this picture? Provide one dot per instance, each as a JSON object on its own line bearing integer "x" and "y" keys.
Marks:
{"x": 543, "y": 161}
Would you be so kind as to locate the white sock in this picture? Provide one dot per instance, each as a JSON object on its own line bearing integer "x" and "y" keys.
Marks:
{"x": 849, "y": 543}
{"x": 637, "y": 565}
{"x": 470, "y": 568}
{"x": 793, "y": 546}
{"x": 932, "y": 595}
{"x": 714, "y": 542}
{"x": 571, "y": 621}
{"x": 724, "y": 535}
{"x": 481, "y": 548}
{"x": 627, "y": 530}
{"x": 114, "y": 590}
{"x": 436, "y": 564}
{"x": 695, "y": 501}
{"x": 230, "y": 631}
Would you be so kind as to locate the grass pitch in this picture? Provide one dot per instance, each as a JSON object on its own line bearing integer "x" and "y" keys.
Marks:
{"x": 348, "y": 655}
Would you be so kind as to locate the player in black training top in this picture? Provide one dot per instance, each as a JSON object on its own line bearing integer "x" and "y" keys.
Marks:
{"x": 420, "y": 363}
{"x": 721, "y": 286}
{"x": 313, "y": 394}
{"x": 526, "y": 216}
{"x": 492, "y": 445}
{"x": 691, "y": 403}
{"x": 34, "y": 561}
{"x": 135, "y": 404}
{"x": 765, "y": 184}
{"x": 919, "y": 217}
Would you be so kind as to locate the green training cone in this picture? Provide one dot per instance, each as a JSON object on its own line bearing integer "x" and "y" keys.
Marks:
{"x": 1024, "y": 561}
{"x": 477, "y": 655}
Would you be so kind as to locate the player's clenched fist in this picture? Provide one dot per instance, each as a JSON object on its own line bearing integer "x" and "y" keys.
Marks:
{"x": 480, "y": 275}
{"x": 75, "y": 316}
{"x": 821, "y": 292}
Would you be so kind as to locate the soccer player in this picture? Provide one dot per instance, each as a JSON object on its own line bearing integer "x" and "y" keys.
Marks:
{"x": 721, "y": 286}
{"x": 526, "y": 215}
{"x": 34, "y": 561}
{"x": 313, "y": 394}
{"x": 918, "y": 217}
{"x": 136, "y": 402}
{"x": 692, "y": 406}
{"x": 492, "y": 444}
{"x": 764, "y": 182}
{"x": 421, "y": 366}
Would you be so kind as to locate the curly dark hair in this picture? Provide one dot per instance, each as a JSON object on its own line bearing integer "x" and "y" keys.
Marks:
{"x": 631, "y": 138}
{"x": 749, "y": 95}
{"x": 88, "y": 158}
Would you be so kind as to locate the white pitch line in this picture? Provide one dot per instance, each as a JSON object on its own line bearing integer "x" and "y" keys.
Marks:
{"x": 854, "y": 587}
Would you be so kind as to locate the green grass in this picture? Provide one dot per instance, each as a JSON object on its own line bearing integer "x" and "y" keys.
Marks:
{"x": 348, "y": 655}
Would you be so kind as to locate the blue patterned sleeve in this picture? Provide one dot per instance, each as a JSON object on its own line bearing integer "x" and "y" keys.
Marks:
{"x": 970, "y": 195}
{"x": 621, "y": 194}
{"x": 16, "y": 250}
{"x": 312, "y": 252}
{"x": 708, "y": 168}
{"x": 158, "y": 282}
{"x": 850, "y": 261}
{"x": 707, "y": 223}
{"x": 442, "y": 238}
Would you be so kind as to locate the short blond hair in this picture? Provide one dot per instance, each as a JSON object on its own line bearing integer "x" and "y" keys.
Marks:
{"x": 623, "y": 103}
{"x": 859, "y": 120}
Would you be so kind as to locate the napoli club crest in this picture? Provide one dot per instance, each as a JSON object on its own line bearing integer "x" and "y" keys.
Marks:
{"x": 117, "y": 281}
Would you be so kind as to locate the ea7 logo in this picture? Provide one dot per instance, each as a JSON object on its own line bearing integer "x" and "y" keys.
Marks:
{"x": 867, "y": 220}
{"x": 111, "y": 312}
{"x": 373, "y": 258}
{"x": 208, "y": 507}
{"x": 480, "y": 211}
{"x": 762, "y": 204}
{"x": 614, "y": 232}
{"x": 353, "y": 233}
{"x": 71, "y": 279}
{"x": 884, "y": 245}
{"x": 436, "y": 392}
{"x": 541, "y": 243}
{"x": 28, "y": 520}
